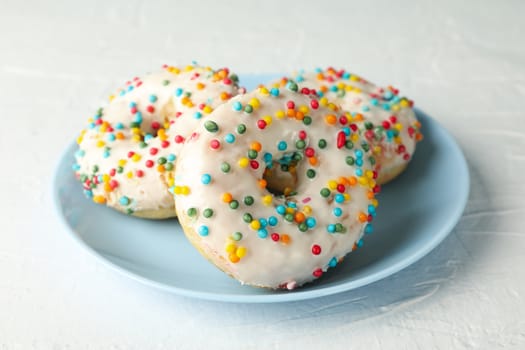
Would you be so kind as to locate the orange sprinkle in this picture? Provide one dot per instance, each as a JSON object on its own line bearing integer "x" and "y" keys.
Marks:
{"x": 312, "y": 160}
{"x": 99, "y": 199}
{"x": 234, "y": 258}
{"x": 359, "y": 117}
{"x": 290, "y": 113}
{"x": 285, "y": 239}
{"x": 330, "y": 119}
{"x": 262, "y": 183}
{"x": 256, "y": 146}
{"x": 200, "y": 86}
{"x": 370, "y": 195}
{"x": 299, "y": 115}
{"x": 119, "y": 136}
{"x": 224, "y": 96}
{"x": 363, "y": 217}
{"x": 352, "y": 181}
{"x": 161, "y": 168}
{"x": 299, "y": 217}
{"x": 227, "y": 197}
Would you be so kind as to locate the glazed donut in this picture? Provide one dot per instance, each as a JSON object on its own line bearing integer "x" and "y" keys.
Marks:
{"x": 386, "y": 120}
{"x": 276, "y": 236}
{"x": 126, "y": 156}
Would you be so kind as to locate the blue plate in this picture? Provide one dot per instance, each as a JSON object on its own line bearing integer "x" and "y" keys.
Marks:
{"x": 416, "y": 212}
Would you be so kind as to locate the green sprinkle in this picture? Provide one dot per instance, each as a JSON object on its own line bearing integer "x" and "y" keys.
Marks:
{"x": 248, "y": 108}
{"x": 339, "y": 227}
{"x": 168, "y": 166}
{"x": 322, "y": 143}
{"x": 303, "y": 227}
{"x": 292, "y": 86}
{"x": 252, "y": 154}
{"x": 365, "y": 146}
{"x": 248, "y": 200}
{"x": 300, "y": 144}
{"x": 350, "y": 160}
{"x": 207, "y": 213}
{"x": 247, "y": 217}
{"x": 288, "y": 217}
{"x": 143, "y": 144}
{"x": 372, "y": 160}
{"x": 325, "y": 192}
{"x": 307, "y": 120}
{"x": 349, "y": 144}
{"x": 241, "y": 129}
{"x": 192, "y": 212}
{"x": 211, "y": 126}
{"x": 166, "y": 82}
{"x": 236, "y": 236}
{"x": 162, "y": 160}
{"x": 225, "y": 167}
{"x": 369, "y": 125}
{"x": 120, "y": 170}
{"x": 95, "y": 168}
{"x": 310, "y": 173}
{"x": 234, "y": 204}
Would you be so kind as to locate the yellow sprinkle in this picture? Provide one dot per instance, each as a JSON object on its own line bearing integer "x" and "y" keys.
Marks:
{"x": 188, "y": 68}
{"x": 100, "y": 143}
{"x": 304, "y": 109}
{"x": 264, "y": 91}
{"x": 129, "y": 174}
{"x": 371, "y": 183}
{"x": 268, "y": 119}
{"x": 99, "y": 199}
{"x": 107, "y": 187}
{"x": 111, "y": 97}
{"x": 369, "y": 174}
{"x": 354, "y": 137}
{"x": 255, "y": 103}
{"x": 404, "y": 103}
{"x": 377, "y": 150}
{"x": 185, "y": 190}
{"x": 103, "y": 128}
{"x": 122, "y": 162}
{"x": 135, "y": 131}
{"x": 255, "y": 225}
{"x": 395, "y": 108}
{"x": 307, "y": 210}
{"x": 362, "y": 181}
{"x": 354, "y": 78}
{"x": 290, "y": 210}
{"x": 332, "y": 184}
{"x": 106, "y": 178}
{"x": 341, "y": 85}
{"x": 137, "y": 138}
{"x": 230, "y": 248}
{"x": 280, "y": 114}
{"x": 323, "y": 101}
{"x": 374, "y": 202}
{"x": 267, "y": 200}
{"x": 241, "y": 252}
{"x": 207, "y": 109}
{"x": 243, "y": 162}
{"x": 346, "y": 196}
{"x": 136, "y": 157}
{"x": 332, "y": 106}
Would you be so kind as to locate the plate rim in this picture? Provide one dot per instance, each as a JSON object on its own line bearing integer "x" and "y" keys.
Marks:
{"x": 296, "y": 295}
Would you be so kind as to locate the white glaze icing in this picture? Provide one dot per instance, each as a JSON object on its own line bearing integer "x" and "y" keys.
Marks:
{"x": 165, "y": 107}
{"x": 376, "y": 105}
{"x": 264, "y": 259}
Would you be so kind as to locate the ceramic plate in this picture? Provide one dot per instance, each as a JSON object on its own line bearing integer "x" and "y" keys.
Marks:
{"x": 416, "y": 212}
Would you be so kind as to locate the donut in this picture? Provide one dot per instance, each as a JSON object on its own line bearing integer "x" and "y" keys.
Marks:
{"x": 127, "y": 155}
{"x": 385, "y": 119}
{"x": 275, "y": 234}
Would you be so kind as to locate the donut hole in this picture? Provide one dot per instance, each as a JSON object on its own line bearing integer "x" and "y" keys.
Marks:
{"x": 281, "y": 176}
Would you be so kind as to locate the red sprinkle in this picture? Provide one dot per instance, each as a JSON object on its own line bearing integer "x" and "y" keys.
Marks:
{"x": 133, "y": 110}
{"x": 165, "y": 144}
{"x": 406, "y": 156}
{"x": 341, "y": 139}
{"x": 393, "y": 119}
{"x": 261, "y": 124}
{"x": 341, "y": 188}
{"x": 131, "y": 154}
{"x": 139, "y": 173}
{"x": 275, "y": 237}
{"x": 343, "y": 120}
{"x": 112, "y": 172}
{"x": 179, "y": 139}
{"x": 353, "y": 127}
{"x": 149, "y": 163}
{"x": 314, "y": 104}
{"x": 150, "y": 109}
{"x": 309, "y": 152}
{"x": 113, "y": 184}
{"x": 153, "y": 151}
{"x": 215, "y": 144}
{"x": 386, "y": 124}
{"x": 254, "y": 164}
{"x": 155, "y": 125}
{"x": 318, "y": 273}
{"x": 316, "y": 249}
{"x": 302, "y": 134}
{"x": 290, "y": 105}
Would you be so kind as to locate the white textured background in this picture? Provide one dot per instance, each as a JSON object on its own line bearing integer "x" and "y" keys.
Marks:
{"x": 463, "y": 62}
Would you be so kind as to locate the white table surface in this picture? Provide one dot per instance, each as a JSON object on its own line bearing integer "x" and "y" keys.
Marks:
{"x": 462, "y": 62}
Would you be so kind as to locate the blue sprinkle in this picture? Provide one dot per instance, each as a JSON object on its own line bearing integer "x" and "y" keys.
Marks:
{"x": 360, "y": 243}
{"x": 272, "y": 221}
{"x": 333, "y": 262}
{"x": 203, "y": 230}
{"x": 88, "y": 193}
{"x": 206, "y": 179}
{"x": 171, "y": 157}
{"x": 152, "y": 98}
{"x": 359, "y": 172}
{"x": 91, "y": 125}
{"x": 111, "y": 137}
{"x": 346, "y": 76}
{"x": 331, "y": 228}
{"x": 318, "y": 70}
{"x": 106, "y": 154}
{"x": 388, "y": 95}
{"x": 262, "y": 233}
{"x": 122, "y": 93}
{"x": 76, "y": 167}
{"x": 148, "y": 137}
{"x": 390, "y": 134}
{"x": 281, "y": 209}
{"x": 119, "y": 126}
{"x": 371, "y": 209}
{"x": 291, "y": 205}
{"x": 124, "y": 200}
{"x": 359, "y": 161}
{"x": 337, "y": 211}
{"x": 138, "y": 118}
{"x": 365, "y": 108}
{"x": 374, "y": 101}
{"x": 339, "y": 198}
{"x": 131, "y": 87}
{"x": 132, "y": 104}
{"x": 197, "y": 115}
{"x": 100, "y": 178}
{"x": 299, "y": 79}
{"x": 311, "y": 222}
{"x": 237, "y": 106}
{"x": 346, "y": 130}
{"x": 358, "y": 153}
{"x": 396, "y": 99}
{"x": 282, "y": 146}
{"x": 267, "y": 157}
{"x": 333, "y": 88}
{"x": 178, "y": 92}
{"x": 274, "y": 92}
{"x": 320, "y": 93}
{"x": 80, "y": 153}
{"x": 386, "y": 107}
{"x": 369, "y": 228}
{"x": 229, "y": 138}
{"x": 263, "y": 222}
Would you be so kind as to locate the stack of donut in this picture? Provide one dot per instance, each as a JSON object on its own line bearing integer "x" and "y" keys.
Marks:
{"x": 273, "y": 186}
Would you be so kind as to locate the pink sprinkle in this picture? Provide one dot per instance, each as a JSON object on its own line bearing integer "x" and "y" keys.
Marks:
{"x": 306, "y": 200}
